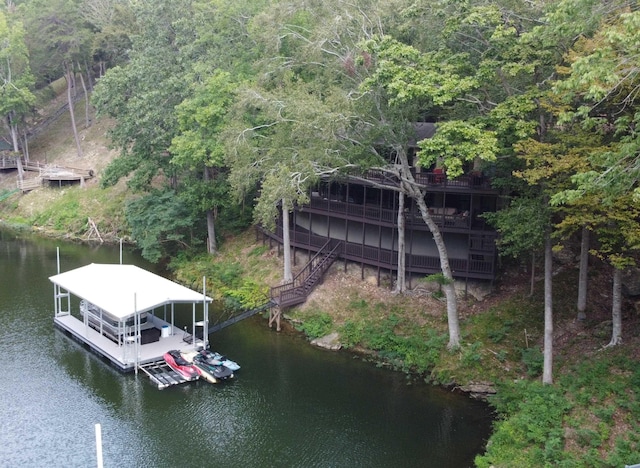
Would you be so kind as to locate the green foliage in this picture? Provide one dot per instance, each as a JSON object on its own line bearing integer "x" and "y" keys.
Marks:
{"x": 228, "y": 274}
{"x": 160, "y": 224}
{"x": 227, "y": 280}
{"x": 418, "y": 350}
{"x": 247, "y": 295}
{"x": 5, "y": 194}
{"x": 530, "y": 432}
{"x": 471, "y": 355}
{"x": 351, "y": 333}
{"x": 537, "y": 421}
{"x": 499, "y": 333}
{"x": 533, "y": 360}
{"x": 521, "y": 226}
{"x": 64, "y": 216}
{"x": 16, "y": 79}
{"x": 316, "y": 325}
{"x": 438, "y": 278}
{"x": 455, "y": 143}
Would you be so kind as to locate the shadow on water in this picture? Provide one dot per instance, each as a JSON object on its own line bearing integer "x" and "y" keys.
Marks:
{"x": 289, "y": 405}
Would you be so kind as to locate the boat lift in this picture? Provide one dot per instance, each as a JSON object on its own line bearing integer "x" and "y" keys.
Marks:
{"x": 162, "y": 375}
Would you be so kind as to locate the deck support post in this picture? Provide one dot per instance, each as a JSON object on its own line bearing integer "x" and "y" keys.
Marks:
{"x": 275, "y": 314}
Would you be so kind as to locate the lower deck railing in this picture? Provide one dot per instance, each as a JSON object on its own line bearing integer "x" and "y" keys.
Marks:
{"x": 479, "y": 263}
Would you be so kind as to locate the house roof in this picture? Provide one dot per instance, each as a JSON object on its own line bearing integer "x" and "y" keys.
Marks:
{"x": 423, "y": 131}
{"x": 123, "y": 290}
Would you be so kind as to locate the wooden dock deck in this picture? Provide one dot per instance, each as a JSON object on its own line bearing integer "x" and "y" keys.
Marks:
{"x": 123, "y": 356}
{"x": 46, "y": 173}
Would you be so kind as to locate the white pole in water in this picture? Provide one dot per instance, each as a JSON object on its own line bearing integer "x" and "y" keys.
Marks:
{"x": 56, "y": 289}
{"x": 205, "y": 313}
{"x": 121, "y": 251}
{"x": 136, "y": 330}
{"x": 99, "y": 445}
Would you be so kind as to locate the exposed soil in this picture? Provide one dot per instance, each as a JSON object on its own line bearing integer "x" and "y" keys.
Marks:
{"x": 55, "y": 143}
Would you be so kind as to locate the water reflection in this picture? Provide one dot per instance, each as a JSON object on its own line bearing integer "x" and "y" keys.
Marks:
{"x": 290, "y": 405}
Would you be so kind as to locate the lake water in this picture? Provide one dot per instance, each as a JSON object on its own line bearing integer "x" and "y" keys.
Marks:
{"x": 291, "y": 405}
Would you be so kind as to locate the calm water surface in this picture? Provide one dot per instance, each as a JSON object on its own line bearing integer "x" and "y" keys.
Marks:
{"x": 291, "y": 405}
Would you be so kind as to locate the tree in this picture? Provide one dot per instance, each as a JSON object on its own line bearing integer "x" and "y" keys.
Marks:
{"x": 143, "y": 94}
{"x": 16, "y": 97}
{"x": 403, "y": 81}
{"x": 114, "y": 24}
{"x": 59, "y": 40}
{"x": 281, "y": 139}
{"x": 598, "y": 91}
{"x": 198, "y": 146}
{"x": 161, "y": 224}
{"x": 547, "y": 365}
{"x": 521, "y": 226}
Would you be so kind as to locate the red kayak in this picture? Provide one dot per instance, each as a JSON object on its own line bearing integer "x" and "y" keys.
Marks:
{"x": 181, "y": 365}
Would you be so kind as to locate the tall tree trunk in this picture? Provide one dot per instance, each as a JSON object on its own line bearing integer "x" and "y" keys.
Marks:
{"x": 286, "y": 242}
{"x": 547, "y": 370}
{"x": 410, "y": 187}
{"x": 400, "y": 284}
{"x": 13, "y": 129}
{"x": 25, "y": 146}
{"x": 69, "y": 78}
{"x": 532, "y": 280}
{"x": 89, "y": 75}
{"x": 87, "y": 121}
{"x": 212, "y": 247}
{"x": 20, "y": 168}
{"x": 449, "y": 286}
{"x": 616, "y": 308}
{"x": 582, "y": 275}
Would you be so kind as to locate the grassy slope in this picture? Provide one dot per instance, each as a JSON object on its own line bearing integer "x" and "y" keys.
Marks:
{"x": 588, "y": 418}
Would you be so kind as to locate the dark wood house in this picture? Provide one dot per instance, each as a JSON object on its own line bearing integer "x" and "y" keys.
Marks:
{"x": 362, "y": 217}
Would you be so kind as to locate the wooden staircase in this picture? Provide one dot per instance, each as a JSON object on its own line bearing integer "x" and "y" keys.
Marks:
{"x": 296, "y": 291}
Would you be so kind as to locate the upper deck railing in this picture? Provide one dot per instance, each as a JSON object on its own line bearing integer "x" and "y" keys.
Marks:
{"x": 436, "y": 179}
{"x": 460, "y": 220}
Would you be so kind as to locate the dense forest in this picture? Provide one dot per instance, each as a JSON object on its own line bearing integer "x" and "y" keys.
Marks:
{"x": 227, "y": 111}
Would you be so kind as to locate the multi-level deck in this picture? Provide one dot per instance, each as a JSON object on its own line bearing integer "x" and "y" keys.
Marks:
{"x": 364, "y": 217}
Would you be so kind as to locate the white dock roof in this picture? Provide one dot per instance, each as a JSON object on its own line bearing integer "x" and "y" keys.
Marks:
{"x": 113, "y": 287}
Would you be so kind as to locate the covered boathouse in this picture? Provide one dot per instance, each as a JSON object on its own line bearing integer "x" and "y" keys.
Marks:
{"x": 126, "y": 314}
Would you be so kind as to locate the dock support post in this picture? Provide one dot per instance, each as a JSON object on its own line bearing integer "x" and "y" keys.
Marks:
{"x": 205, "y": 306}
{"x": 274, "y": 316}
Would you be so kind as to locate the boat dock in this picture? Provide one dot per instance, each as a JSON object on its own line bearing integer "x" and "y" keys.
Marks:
{"x": 126, "y": 316}
{"x": 46, "y": 173}
{"x": 123, "y": 356}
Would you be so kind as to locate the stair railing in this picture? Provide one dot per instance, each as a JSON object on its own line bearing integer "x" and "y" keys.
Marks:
{"x": 297, "y": 290}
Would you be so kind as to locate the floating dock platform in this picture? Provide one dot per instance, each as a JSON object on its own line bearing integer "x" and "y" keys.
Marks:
{"x": 124, "y": 356}
{"x": 118, "y": 320}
